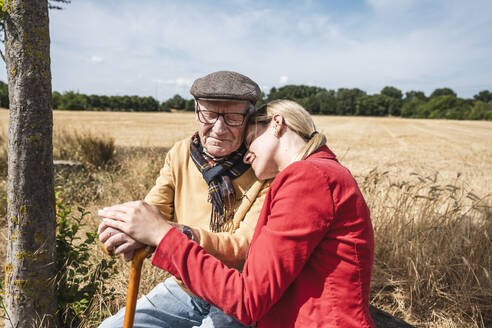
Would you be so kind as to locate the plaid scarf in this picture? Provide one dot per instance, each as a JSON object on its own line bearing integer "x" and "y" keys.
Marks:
{"x": 219, "y": 176}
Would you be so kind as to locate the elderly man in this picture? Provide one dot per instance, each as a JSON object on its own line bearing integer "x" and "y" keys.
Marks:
{"x": 211, "y": 195}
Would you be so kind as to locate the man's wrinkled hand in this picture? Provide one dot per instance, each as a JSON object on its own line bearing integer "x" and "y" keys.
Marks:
{"x": 117, "y": 242}
{"x": 139, "y": 220}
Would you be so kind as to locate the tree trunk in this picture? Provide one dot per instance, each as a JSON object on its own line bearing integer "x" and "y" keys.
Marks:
{"x": 30, "y": 266}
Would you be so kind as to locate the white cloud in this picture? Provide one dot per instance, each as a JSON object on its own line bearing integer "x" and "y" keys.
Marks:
{"x": 283, "y": 79}
{"x": 96, "y": 59}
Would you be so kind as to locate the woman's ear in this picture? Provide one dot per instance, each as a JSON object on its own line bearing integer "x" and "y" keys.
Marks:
{"x": 277, "y": 124}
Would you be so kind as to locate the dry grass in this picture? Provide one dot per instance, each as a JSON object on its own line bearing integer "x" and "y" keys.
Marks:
{"x": 433, "y": 230}
{"x": 86, "y": 146}
{"x": 433, "y": 259}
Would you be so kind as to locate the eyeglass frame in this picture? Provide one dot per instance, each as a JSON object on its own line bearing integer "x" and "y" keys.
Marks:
{"x": 244, "y": 115}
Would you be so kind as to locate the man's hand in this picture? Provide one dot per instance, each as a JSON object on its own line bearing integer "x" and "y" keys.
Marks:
{"x": 118, "y": 242}
{"x": 139, "y": 220}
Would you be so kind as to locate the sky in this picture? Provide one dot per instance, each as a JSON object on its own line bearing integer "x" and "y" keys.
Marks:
{"x": 158, "y": 48}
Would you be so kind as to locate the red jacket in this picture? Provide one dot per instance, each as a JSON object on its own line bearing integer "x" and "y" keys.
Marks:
{"x": 310, "y": 259}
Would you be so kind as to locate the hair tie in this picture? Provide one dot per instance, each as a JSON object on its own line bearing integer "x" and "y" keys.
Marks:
{"x": 313, "y": 134}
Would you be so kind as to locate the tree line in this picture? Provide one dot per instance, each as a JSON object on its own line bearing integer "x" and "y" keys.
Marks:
{"x": 442, "y": 102}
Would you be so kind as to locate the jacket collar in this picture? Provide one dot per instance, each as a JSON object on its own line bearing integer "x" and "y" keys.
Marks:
{"x": 322, "y": 152}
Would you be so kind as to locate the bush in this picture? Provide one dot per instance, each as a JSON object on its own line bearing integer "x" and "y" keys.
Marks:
{"x": 95, "y": 150}
{"x": 80, "y": 278}
{"x": 86, "y": 147}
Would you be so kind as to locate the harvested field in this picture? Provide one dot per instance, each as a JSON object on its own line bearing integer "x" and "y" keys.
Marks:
{"x": 361, "y": 143}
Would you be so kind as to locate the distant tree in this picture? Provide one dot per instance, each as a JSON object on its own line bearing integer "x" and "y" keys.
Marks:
{"x": 149, "y": 104}
{"x": 392, "y": 92}
{"x": 316, "y": 100}
{"x": 311, "y": 104}
{"x": 273, "y": 91}
{"x": 323, "y": 102}
{"x": 163, "y": 108}
{"x": 415, "y": 94}
{"x": 484, "y": 95}
{"x": 294, "y": 92}
{"x": 29, "y": 295}
{"x": 327, "y": 102}
{"x": 346, "y": 100}
{"x": 94, "y": 102}
{"x": 480, "y": 111}
{"x": 393, "y": 105}
{"x": 105, "y": 102}
{"x": 136, "y": 103}
{"x": 115, "y": 103}
{"x": 73, "y": 101}
{"x": 56, "y": 99}
{"x": 443, "y": 92}
{"x": 127, "y": 104}
{"x": 410, "y": 106}
{"x": 190, "y": 105}
{"x": 262, "y": 100}
{"x": 448, "y": 106}
{"x": 176, "y": 102}
{"x": 375, "y": 105}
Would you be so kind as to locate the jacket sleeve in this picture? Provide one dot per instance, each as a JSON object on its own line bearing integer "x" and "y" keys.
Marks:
{"x": 300, "y": 211}
{"x": 162, "y": 193}
{"x": 232, "y": 247}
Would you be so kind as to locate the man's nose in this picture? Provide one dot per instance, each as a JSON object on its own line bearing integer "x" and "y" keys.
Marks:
{"x": 248, "y": 157}
{"x": 220, "y": 125}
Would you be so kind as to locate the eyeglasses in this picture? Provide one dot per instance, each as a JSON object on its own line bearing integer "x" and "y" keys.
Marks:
{"x": 210, "y": 117}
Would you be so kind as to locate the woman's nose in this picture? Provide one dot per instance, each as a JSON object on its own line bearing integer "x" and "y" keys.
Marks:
{"x": 248, "y": 157}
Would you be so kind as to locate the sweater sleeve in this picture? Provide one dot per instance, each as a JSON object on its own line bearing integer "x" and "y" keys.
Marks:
{"x": 162, "y": 193}
{"x": 299, "y": 211}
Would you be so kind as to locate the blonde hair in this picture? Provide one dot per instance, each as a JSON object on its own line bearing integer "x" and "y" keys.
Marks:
{"x": 296, "y": 118}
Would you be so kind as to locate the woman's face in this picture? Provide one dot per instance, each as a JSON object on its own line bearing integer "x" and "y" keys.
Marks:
{"x": 262, "y": 147}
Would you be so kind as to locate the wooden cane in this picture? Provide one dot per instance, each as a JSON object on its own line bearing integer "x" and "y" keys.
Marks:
{"x": 133, "y": 284}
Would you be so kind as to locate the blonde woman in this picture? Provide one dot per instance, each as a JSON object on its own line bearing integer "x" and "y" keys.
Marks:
{"x": 310, "y": 260}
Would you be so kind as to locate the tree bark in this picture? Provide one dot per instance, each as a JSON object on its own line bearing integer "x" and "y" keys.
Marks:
{"x": 30, "y": 266}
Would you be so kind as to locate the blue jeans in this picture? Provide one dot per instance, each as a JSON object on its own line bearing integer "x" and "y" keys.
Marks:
{"x": 169, "y": 306}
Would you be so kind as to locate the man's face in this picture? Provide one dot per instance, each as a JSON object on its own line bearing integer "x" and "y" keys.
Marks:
{"x": 219, "y": 138}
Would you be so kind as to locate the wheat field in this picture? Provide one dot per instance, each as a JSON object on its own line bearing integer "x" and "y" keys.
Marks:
{"x": 427, "y": 183}
{"x": 361, "y": 143}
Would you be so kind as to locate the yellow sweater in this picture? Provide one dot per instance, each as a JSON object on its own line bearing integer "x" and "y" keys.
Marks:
{"x": 181, "y": 194}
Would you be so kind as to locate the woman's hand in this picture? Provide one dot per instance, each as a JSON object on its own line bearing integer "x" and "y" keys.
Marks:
{"x": 139, "y": 220}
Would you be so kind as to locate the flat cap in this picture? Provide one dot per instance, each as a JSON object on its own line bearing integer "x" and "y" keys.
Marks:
{"x": 226, "y": 85}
